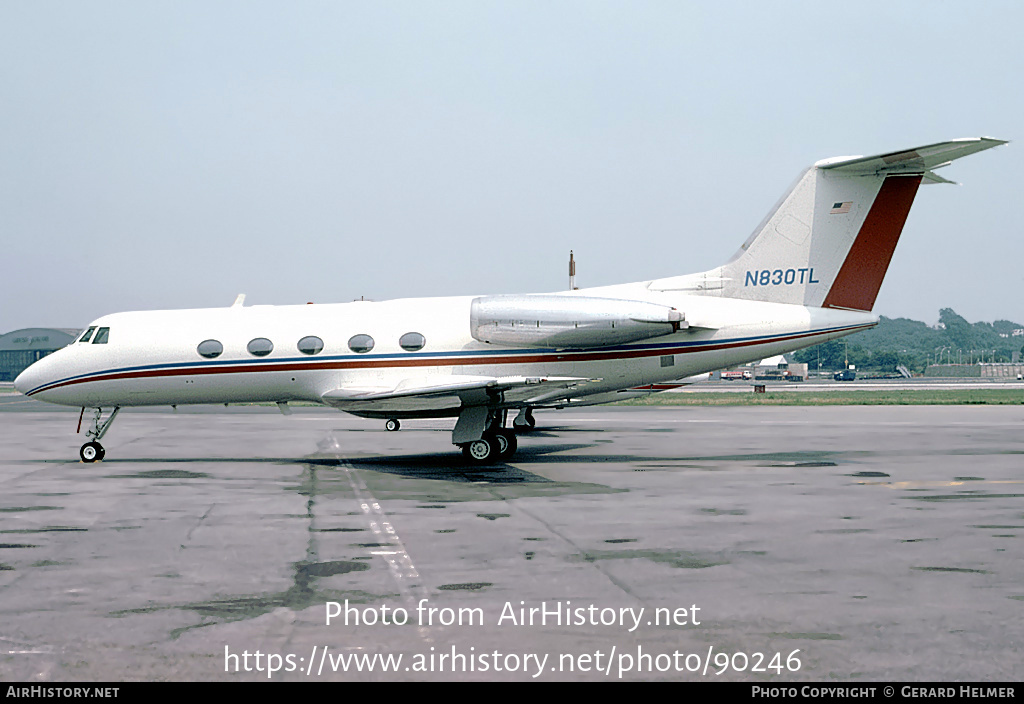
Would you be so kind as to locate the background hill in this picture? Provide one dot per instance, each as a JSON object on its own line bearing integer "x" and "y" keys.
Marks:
{"x": 912, "y": 343}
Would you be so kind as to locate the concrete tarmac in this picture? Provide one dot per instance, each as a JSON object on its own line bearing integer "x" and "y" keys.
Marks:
{"x": 767, "y": 544}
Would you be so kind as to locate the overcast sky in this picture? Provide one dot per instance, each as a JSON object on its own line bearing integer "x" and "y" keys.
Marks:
{"x": 174, "y": 154}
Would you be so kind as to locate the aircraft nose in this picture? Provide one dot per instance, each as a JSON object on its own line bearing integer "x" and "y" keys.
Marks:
{"x": 29, "y": 379}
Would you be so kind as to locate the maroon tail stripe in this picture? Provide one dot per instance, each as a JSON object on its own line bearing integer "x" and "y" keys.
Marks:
{"x": 856, "y": 286}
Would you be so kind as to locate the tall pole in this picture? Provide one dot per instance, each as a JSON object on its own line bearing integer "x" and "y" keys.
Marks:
{"x": 572, "y": 272}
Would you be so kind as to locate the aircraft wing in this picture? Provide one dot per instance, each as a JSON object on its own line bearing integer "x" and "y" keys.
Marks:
{"x": 454, "y": 391}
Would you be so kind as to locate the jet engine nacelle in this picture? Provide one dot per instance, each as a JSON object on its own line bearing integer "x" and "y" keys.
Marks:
{"x": 571, "y": 322}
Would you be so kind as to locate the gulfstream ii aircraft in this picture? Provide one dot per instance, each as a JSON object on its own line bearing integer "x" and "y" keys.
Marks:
{"x": 810, "y": 272}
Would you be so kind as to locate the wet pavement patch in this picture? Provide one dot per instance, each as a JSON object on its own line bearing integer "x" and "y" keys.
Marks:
{"x": 467, "y": 587}
{"x": 673, "y": 558}
{"x": 966, "y": 497}
{"x": 493, "y": 516}
{"x": 868, "y": 474}
{"x": 8, "y": 546}
{"x": 725, "y": 511}
{"x": 300, "y": 596}
{"x": 621, "y": 540}
{"x": 18, "y": 509}
{"x": 329, "y": 569}
{"x": 950, "y": 569}
{"x": 162, "y": 474}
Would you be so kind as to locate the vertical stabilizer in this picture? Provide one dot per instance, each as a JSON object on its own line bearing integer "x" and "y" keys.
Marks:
{"x": 829, "y": 241}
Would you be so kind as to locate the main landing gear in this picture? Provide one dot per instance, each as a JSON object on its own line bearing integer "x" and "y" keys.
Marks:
{"x": 483, "y": 437}
{"x": 497, "y": 445}
{"x": 92, "y": 450}
{"x": 525, "y": 420}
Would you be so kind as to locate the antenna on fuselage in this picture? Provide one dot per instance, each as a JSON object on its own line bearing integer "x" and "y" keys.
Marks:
{"x": 239, "y": 301}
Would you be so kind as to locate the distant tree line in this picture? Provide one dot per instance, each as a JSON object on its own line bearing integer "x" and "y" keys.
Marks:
{"x": 915, "y": 345}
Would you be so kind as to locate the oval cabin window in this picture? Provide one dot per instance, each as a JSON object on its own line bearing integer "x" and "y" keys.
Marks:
{"x": 260, "y": 347}
{"x": 311, "y": 345}
{"x": 412, "y": 341}
{"x": 209, "y": 349}
{"x": 360, "y": 343}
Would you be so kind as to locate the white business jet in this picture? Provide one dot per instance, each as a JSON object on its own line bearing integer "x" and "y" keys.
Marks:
{"x": 810, "y": 272}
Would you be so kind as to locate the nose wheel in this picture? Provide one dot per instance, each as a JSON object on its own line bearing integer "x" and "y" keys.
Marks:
{"x": 92, "y": 452}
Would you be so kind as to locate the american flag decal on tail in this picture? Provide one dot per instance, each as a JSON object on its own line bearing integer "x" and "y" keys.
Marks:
{"x": 840, "y": 208}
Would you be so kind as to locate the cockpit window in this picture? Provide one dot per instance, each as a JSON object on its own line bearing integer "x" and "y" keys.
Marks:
{"x": 101, "y": 336}
{"x": 88, "y": 334}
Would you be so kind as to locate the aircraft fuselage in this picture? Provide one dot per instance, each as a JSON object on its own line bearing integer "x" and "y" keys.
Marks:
{"x": 151, "y": 357}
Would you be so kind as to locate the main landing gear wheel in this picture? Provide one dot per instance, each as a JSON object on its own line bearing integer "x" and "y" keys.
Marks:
{"x": 506, "y": 442}
{"x": 91, "y": 452}
{"x": 482, "y": 451}
{"x": 495, "y": 446}
{"x": 392, "y": 425}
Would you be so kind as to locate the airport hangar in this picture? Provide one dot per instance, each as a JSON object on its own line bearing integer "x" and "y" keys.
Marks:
{"x": 21, "y": 348}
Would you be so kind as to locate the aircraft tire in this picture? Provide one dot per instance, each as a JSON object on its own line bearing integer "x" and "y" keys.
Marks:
{"x": 91, "y": 452}
{"x": 507, "y": 443}
{"x": 481, "y": 452}
{"x": 392, "y": 425}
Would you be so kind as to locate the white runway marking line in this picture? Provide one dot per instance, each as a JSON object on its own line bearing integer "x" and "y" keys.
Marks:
{"x": 400, "y": 564}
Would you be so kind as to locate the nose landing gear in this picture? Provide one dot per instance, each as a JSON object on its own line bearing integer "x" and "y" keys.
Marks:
{"x": 92, "y": 451}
